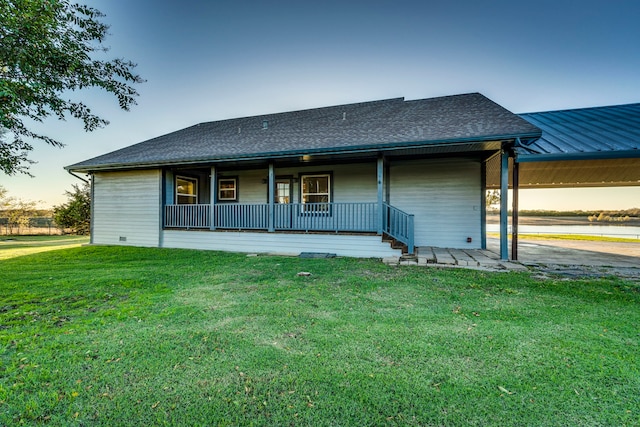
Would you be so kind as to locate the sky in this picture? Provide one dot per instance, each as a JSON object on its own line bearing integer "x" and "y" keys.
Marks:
{"x": 214, "y": 60}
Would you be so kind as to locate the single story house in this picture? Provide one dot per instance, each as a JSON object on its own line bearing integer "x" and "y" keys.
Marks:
{"x": 348, "y": 179}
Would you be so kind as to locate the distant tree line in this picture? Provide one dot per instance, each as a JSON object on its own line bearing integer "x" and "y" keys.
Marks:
{"x": 592, "y": 215}
{"x": 74, "y": 216}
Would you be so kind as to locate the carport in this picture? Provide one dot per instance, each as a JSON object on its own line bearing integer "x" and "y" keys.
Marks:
{"x": 586, "y": 147}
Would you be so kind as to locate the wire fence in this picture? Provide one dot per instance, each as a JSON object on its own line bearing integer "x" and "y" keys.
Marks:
{"x": 29, "y": 227}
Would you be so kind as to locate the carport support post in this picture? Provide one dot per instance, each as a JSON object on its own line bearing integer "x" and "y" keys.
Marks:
{"x": 272, "y": 197}
{"x": 514, "y": 219}
{"x": 504, "y": 206}
{"x": 483, "y": 206}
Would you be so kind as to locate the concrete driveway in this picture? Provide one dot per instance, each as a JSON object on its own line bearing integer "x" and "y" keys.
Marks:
{"x": 574, "y": 252}
{"x": 577, "y": 258}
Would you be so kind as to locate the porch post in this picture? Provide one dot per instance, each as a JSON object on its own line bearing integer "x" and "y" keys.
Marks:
{"x": 92, "y": 209}
{"x": 504, "y": 206}
{"x": 213, "y": 192}
{"x": 380, "y": 180}
{"x": 163, "y": 202}
{"x": 272, "y": 206}
{"x": 483, "y": 205}
{"x": 514, "y": 209}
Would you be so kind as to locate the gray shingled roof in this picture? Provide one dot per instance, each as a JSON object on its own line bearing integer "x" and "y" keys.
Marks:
{"x": 585, "y": 133}
{"x": 362, "y": 127}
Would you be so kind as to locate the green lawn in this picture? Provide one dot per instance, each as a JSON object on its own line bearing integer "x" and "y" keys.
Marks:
{"x": 15, "y": 246}
{"x": 129, "y": 336}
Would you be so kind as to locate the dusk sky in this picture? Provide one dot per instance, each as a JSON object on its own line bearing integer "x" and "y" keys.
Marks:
{"x": 214, "y": 60}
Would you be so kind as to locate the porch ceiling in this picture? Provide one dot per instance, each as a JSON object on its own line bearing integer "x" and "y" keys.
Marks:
{"x": 570, "y": 173}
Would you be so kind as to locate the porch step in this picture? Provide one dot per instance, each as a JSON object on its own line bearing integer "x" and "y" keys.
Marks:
{"x": 395, "y": 244}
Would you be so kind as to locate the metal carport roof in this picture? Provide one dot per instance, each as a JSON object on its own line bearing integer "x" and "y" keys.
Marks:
{"x": 586, "y": 147}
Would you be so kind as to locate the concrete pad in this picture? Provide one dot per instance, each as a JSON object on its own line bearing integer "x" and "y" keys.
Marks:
{"x": 462, "y": 258}
{"x": 513, "y": 266}
{"x": 483, "y": 257}
{"x": 442, "y": 256}
{"x": 574, "y": 252}
{"x": 427, "y": 253}
{"x": 391, "y": 260}
{"x": 424, "y": 261}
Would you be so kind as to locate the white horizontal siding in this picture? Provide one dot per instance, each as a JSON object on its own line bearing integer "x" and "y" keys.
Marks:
{"x": 351, "y": 183}
{"x": 250, "y": 185}
{"x": 359, "y": 246}
{"x": 445, "y": 197}
{"x": 126, "y": 205}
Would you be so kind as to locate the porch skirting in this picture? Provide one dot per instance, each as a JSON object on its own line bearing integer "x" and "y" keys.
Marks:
{"x": 351, "y": 245}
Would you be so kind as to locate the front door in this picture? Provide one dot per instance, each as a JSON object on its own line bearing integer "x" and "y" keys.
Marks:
{"x": 282, "y": 199}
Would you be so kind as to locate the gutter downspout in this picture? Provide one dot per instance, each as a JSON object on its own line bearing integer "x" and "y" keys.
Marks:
{"x": 91, "y": 205}
{"x": 79, "y": 177}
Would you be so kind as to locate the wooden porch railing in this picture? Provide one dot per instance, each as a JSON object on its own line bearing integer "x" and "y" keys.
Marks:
{"x": 187, "y": 216}
{"x": 330, "y": 217}
{"x": 241, "y": 216}
{"x": 291, "y": 216}
{"x": 399, "y": 225}
{"x": 326, "y": 217}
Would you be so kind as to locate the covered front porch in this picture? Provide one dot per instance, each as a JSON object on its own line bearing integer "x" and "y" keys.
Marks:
{"x": 299, "y": 199}
{"x": 407, "y": 198}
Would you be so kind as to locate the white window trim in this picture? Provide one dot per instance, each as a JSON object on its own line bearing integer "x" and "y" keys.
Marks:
{"x": 195, "y": 186}
{"x": 235, "y": 190}
{"x": 303, "y": 194}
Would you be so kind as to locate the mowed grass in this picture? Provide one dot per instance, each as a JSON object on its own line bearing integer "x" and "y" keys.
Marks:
{"x": 15, "y": 246}
{"x": 132, "y": 336}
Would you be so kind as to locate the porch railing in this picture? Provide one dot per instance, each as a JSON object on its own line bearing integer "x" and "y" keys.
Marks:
{"x": 290, "y": 216}
{"x": 326, "y": 217}
{"x": 399, "y": 225}
{"x": 241, "y": 216}
{"x": 187, "y": 216}
{"x": 334, "y": 217}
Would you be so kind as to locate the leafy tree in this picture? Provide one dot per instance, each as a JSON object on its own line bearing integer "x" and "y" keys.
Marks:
{"x": 76, "y": 213}
{"x": 16, "y": 211}
{"x": 492, "y": 198}
{"x": 48, "y": 50}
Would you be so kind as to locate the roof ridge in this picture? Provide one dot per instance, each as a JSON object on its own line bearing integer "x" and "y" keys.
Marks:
{"x": 308, "y": 110}
{"x": 435, "y": 98}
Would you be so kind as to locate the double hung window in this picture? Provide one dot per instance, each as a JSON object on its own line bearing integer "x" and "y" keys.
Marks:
{"x": 228, "y": 189}
{"x": 186, "y": 190}
{"x": 316, "y": 192}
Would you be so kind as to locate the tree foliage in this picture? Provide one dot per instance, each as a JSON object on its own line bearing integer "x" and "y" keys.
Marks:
{"x": 48, "y": 50}
{"x": 492, "y": 198}
{"x": 17, "y": 212}
{"x": 76, "y": 213}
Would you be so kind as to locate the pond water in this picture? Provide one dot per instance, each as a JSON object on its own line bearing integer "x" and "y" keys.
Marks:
{"x": 629, "y": 232}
